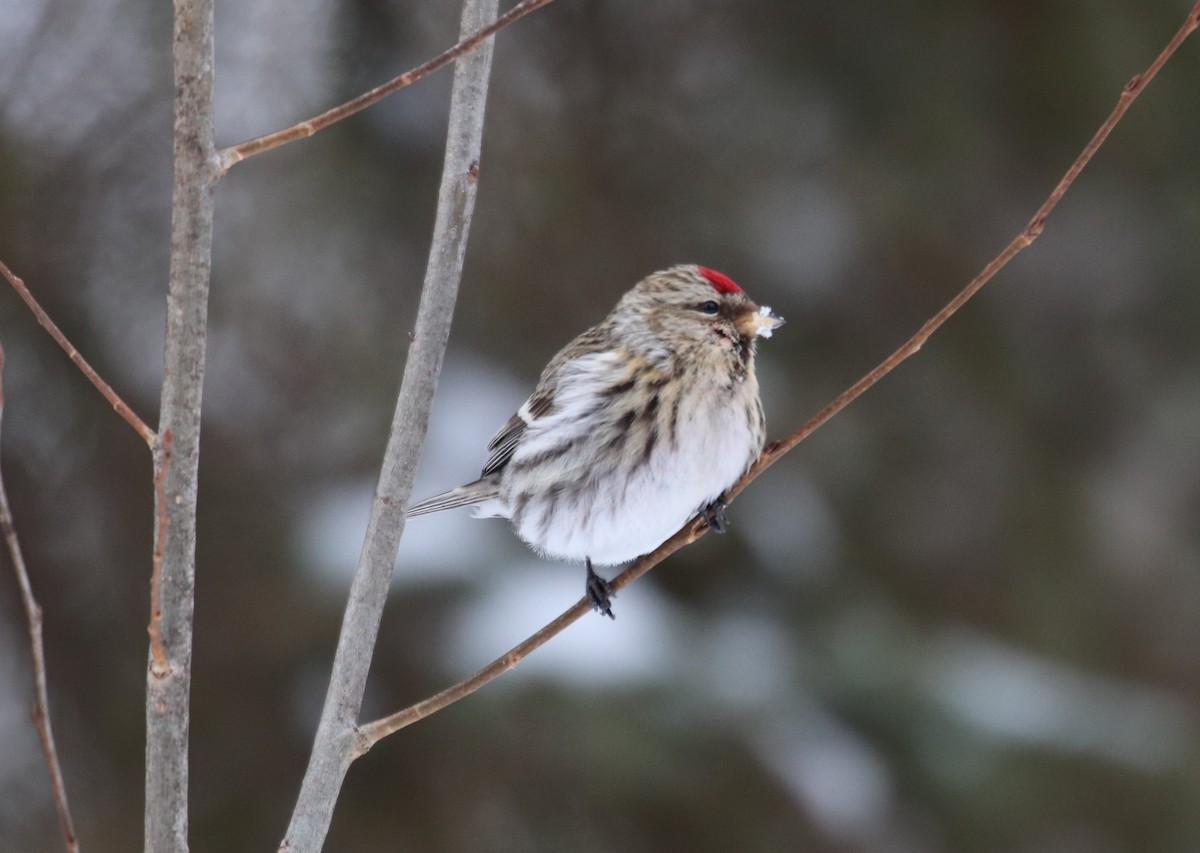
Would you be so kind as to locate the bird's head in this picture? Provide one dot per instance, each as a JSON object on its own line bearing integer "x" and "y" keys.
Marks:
{"x": 690, "y": 305}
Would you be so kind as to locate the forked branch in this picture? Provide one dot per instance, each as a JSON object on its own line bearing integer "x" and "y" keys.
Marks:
{"x": 122, "y": 408}
{"x": 336, "y": 732}
{"x": 371, "y": 733}
{"x": 236, "y": 153}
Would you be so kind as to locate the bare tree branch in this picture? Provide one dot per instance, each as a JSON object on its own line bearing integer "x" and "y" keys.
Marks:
{"x": 302, "y": 130}
{"x": 1030, "y": 233}
{"x": 372, "y": 733}
{"x": 162, "y": 525}
{"x": 333, "y": 746}
{"x": 103, "y": 387}
{"x": 33, "y": 612}
{"x": 168, "y": 677}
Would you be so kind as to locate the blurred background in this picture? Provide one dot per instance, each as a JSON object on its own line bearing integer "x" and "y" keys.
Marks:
{"x": 964, "y": 616}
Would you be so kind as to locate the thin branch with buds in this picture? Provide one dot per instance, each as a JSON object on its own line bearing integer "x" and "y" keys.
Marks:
{"x": 121, "y": 407}
{"x": 371, "y": 733}
{"x": 41, "y": 698}
{"x": 235, "y": 154}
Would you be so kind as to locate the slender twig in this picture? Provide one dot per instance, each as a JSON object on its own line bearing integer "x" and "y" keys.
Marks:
{"x": 103, "y": 387}
{"x": 177, "y": 456}
{"x": 1030, "y": 233}
{"x": 333, "y": 745}
{"x": 41, "y": 698}
{"x": 371, "y": 733}
{"x": 243, "y": 150}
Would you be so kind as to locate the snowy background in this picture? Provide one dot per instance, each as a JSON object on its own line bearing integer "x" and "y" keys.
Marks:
{"x": 964, "y": 616}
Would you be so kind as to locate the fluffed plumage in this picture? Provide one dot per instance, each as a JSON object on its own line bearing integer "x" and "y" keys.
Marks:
{"x": 635, "y": 426}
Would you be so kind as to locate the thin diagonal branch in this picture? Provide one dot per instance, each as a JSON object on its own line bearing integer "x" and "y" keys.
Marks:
{"x": 41, "y": 698}
{"x": 371, "y": 733}
{"x": 334, "y": 741}
{"x": 1030, "y": 233}
{"x": 103, "y": 387}
{"x": 243, "y": 150}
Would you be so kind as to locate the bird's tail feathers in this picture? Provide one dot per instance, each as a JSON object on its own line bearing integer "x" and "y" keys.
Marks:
{"x": 468, "y": 495}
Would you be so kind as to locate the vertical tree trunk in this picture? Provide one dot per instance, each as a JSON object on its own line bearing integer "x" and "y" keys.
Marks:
{"x": 168, "y": 679}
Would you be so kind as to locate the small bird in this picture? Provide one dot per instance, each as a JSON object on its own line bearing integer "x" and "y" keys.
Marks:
{"x": 637, "y": 425}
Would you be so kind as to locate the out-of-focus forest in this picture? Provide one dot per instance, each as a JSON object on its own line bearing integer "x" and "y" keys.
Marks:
{"x": 964, "y": 616}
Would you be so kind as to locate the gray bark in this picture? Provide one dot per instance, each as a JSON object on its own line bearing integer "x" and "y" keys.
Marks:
{"x": 168, "y": 681}
{"x": 335, "y": 741}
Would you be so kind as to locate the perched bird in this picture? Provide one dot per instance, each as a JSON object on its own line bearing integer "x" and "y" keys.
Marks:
{"x": 635, "y": 426}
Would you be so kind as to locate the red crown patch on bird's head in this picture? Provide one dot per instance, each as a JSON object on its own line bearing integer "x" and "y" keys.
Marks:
{"x": 720, "y": 282}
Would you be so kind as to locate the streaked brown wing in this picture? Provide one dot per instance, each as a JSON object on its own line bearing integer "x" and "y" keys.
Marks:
{"x": 505, "y": 442}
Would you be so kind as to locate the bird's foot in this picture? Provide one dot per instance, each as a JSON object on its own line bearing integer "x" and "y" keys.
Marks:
{"x": 599, "y": 592}
{"x": 714, "y": 516}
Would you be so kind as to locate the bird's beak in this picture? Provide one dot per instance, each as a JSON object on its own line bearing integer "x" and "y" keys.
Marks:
{"x": 761, "y": 322}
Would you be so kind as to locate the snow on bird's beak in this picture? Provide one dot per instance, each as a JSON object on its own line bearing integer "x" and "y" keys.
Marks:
{"x": 761, "y": 322}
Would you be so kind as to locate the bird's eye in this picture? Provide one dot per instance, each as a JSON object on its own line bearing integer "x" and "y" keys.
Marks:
{"x": 710, "y": 307}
